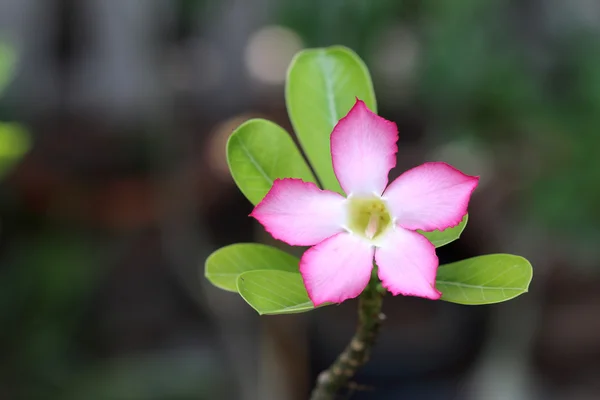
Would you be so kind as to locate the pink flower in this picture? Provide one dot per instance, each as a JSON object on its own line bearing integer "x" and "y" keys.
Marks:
{"x": 373, "y": 223}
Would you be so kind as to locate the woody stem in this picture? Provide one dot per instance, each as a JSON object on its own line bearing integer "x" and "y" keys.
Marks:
{"x": 357, "y": 352}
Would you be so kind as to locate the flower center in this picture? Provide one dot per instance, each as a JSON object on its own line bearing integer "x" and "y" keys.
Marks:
{"x": 368, "y": 216}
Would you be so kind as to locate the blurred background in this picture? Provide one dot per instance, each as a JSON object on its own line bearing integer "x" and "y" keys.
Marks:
{"x": 114, "y": 189}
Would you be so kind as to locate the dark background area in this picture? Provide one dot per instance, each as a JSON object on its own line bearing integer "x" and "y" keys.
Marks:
{"x": 106, "y": 222}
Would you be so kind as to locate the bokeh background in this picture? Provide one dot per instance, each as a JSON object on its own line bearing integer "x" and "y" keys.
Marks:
{"x": 126, "y": 106}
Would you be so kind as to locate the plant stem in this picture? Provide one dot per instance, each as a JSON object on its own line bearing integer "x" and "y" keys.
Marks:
{"x": 357, "y": 352}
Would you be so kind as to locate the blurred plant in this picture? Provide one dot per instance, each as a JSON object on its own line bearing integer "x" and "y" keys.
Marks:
{"x": 15, "y": 142}
{"x": 496, "y": 72}
{"x": 321, "y": 87}
{"x": 14, "y": 138}
{"x": 351, "y": 22}
{"x": 8, "y": 59}
{"x": 485, "y": 74}
{"x": 45, "y": 282}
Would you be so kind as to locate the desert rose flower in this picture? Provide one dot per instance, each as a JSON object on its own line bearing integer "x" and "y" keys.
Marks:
{"x": 374, "y": 222}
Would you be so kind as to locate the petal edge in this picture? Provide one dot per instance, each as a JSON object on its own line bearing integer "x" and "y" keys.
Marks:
{"x": 337, "y": 269}
{"x": 432, "y": 196}
{"x": 363, "y": 150}
{"x": 299, "y": 213}
{"x": 407, "y": 264}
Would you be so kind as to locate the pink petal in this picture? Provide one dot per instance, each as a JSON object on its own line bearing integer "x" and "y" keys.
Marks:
{"x": 337, "y": 269}
{"x": 431, "y": 196}
{"x": 363, "y": 149}
{"x": 407, "y": 264}
{"x": 299, "y": 213}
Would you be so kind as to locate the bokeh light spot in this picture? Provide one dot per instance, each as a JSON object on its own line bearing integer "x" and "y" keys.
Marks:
{"x": 269, "y": 52}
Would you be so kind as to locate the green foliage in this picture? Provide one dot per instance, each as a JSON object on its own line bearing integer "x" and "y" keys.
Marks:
{"x": 260, "y": 151}
{"x": 442, "y": 238}
{"x": 322, "y": 85}
{"x": 279, "y": 289}
{"x": 224, "y": 266}
{"x": 274, "y": 292}
{"x": 485, "y": 279}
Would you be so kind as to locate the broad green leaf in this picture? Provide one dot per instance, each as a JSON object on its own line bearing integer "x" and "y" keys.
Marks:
{"x": 8, "y": 60}
{"x": 223, "y": 267}
{"x": 485, "y": 279}
{"x": 274, "y": 292}
{"x": 14, "y": 143}
{"x": 260, "y": 151}
{"x": 441, "y": 238}
{"x": 322, "y": 85}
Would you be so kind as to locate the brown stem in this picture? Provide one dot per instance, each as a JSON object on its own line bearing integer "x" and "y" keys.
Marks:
{"x": 357, "y": 353}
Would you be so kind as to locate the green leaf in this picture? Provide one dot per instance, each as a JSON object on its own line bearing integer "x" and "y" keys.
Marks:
{"x": 8, "y": 60}
{"x": 274, "y": 292}
{"x": 441, "y": 238}
{"x": 223, "y": 267}
{"x": 260, "y": 151}
{"x": 322, "y": 85}
{"x": 14, "y": 143}
{"x": 485, "y": 279}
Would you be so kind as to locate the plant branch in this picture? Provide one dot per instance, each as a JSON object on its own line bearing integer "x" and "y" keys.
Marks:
{"x": 357, "y": 352}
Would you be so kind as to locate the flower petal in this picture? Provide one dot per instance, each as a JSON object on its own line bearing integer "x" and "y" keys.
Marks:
{"x": 431, "y": 196}
{"x": 337, "y": 269}
{"x": 363, "y": 150}
{"x": 407, "y": 264}
{"x": 299, "y": 213}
